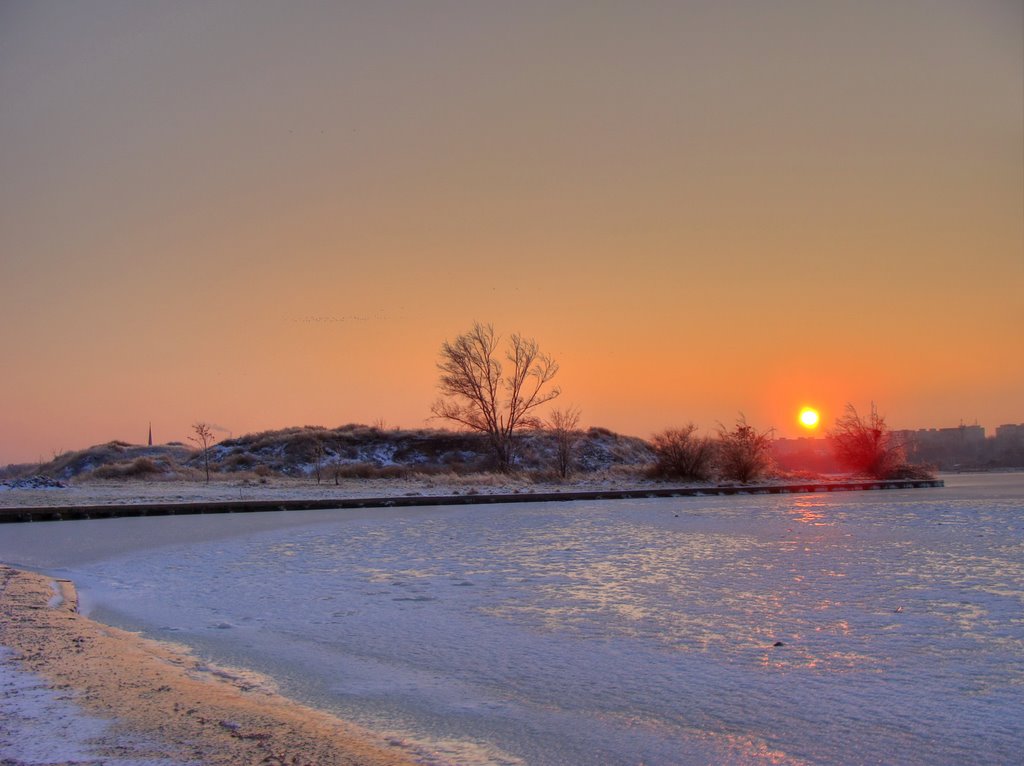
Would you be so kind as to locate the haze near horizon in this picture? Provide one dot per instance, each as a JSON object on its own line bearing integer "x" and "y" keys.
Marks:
{"x": 263, "y": 215}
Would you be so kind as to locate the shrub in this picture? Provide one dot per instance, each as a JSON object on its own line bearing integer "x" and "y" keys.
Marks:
{"x": 866, "y": 445}
{"x": 682, "y": 454}
{"x": 562, "y": 424}
{"x": 371, "y": 471}
{"x": 139, "y": 468}
{"x": 910, "y": 471}
{"x": 18, "y": 471}
{"x": 238, "y": 462}
{"x": 744, "y": 454}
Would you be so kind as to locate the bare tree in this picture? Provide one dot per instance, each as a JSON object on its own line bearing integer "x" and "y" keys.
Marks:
{"x": 564, "y": 426}
{"x": 204, "y": 439}
{"x": 866, "y": 445}
{"x": 682, "y": 454}
{"x": 744, "y": 453}
{"x": 319, "y": 453}
{"x": 476, "y": 392}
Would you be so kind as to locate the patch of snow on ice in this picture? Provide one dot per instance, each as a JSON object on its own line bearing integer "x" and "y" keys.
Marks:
{"x": 40, "y": 726}
{"x": 57, "y": 599}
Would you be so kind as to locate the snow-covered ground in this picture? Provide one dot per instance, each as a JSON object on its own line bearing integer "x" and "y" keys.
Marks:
{"x": 871, "y": 627}
{"x": 121, "y": 492}
{"x": 40, "y": 726}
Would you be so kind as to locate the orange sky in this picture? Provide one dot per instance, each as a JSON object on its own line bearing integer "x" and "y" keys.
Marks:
{"x": 261, "y": 214}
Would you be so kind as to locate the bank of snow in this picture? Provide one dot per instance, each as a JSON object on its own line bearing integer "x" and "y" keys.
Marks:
{"x": 40, "y": 726}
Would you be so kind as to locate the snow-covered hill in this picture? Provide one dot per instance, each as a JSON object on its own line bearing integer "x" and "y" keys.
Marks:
{"x": 350, "y": 451}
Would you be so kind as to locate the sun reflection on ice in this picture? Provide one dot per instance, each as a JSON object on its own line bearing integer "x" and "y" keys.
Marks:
{"x": 808, "y": 511}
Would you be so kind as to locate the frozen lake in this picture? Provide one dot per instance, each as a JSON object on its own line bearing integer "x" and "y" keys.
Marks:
{"x": 616, "y": 632}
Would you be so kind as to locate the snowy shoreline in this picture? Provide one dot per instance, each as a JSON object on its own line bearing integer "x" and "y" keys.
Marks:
{"x": 145, "y": 499}
{"x": 42, "y": 724}
{"x": 136, "y": 491}
{"x": 74, "y": 690}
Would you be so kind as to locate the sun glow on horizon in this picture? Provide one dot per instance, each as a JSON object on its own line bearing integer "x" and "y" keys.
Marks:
{"x": 809, "y": 418}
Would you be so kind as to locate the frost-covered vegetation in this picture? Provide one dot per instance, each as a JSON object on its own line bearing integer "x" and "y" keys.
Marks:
{"x": 351, "y": 451}
{"x": 742, "y": 454}
{"x": 866, "y": 445}
{"x": 118, "y": 460}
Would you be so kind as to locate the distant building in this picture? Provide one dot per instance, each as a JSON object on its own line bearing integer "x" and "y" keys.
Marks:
{"x": 948, "y": 448}
{"x": 1008, "y": 446}
{"x": 1010, "y": 431}
{"x": 961, "y": 448}
{"x": 806, "y": 453}
{"x": 944, "y": 437}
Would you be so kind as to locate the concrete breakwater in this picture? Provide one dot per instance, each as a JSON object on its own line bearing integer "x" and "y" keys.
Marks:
{"x": 76, "y": 512}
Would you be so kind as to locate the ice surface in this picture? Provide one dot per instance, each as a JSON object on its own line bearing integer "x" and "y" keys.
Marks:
{"x": 605, "y": 633}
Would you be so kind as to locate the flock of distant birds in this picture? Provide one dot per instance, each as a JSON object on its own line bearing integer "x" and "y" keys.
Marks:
{"x": 336, "y": 320}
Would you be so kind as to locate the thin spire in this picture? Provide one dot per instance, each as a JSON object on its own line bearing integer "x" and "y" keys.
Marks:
{"x": 151, "y": 433}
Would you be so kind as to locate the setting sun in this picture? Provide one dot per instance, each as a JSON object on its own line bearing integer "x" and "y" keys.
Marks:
{"x": 808, "y": 417}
